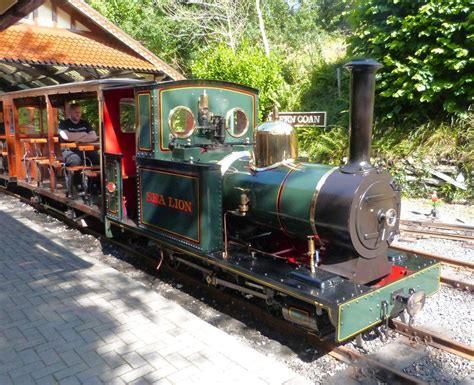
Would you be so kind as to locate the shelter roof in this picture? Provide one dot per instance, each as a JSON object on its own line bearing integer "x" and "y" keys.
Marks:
{"x": 50, "y": 46}
{"x": 63, "y": 41}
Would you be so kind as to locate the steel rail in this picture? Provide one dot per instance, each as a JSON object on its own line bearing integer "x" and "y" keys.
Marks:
{"x": 431, "y": 234}
{"x": 438, "y": 230}
{"x": 457, "y": 284}
{"x": 376, "y": 368}
{"x": 433, "y": 339}
{"x": 438, "y": 225}
{"x": 449, "y": 261}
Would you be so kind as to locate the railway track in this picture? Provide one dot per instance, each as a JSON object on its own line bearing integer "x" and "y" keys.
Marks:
{"x": 432, "y": 229}
{"x": 361, "y": 363}
{"x": 446, "y": 260}
{"x": 342, "y": 353}
{"x": 433, "y": 339}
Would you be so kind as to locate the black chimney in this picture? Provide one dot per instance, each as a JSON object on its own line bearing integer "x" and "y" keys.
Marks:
{"x": 361, "y": 114}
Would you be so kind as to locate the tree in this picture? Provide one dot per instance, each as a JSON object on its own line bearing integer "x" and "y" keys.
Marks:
{"x": 426, "y": 49}
{"x": 211, "y": 21}
{"x": 262, "y": 27}
{"x": 248, "y": 66}
{"x": 147, "y": 22}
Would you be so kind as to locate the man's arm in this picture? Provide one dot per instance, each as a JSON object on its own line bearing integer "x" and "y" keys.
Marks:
{"x": 69, "y": 136}
{"x": 90, "y": 137}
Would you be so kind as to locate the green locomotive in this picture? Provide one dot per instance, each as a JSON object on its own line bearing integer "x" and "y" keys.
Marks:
{"x": 231, "y": 199}
{"x": 186, "y": 164}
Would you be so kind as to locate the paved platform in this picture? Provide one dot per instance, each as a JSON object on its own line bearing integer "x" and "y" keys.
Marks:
{"x": 67, "y": 318}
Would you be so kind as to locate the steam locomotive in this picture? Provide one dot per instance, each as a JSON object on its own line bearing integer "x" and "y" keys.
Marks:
{"x": 229, "y": 198}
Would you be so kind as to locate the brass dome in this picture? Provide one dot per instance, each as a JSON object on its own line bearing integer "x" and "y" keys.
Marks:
{"x": 275, "y": 142}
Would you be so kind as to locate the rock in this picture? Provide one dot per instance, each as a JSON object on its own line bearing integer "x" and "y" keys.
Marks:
{"x": 432, "y": 181}
{"x": 447, "y": 178}
{"x": 447, "y": 169}
{"x": 460, "y": 178}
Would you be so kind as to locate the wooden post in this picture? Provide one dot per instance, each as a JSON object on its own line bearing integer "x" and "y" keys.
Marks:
{"x": 7, "y": 116}
{"x": 100, "y": 100}
{"x": 20, "y": 172}
{"x": 51, "y": 152}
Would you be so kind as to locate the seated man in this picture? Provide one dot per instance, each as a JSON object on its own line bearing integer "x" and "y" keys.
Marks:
{"x": 77, "y": 130}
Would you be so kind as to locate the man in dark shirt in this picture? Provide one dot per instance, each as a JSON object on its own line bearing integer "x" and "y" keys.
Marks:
{"x": 77, "y": 130}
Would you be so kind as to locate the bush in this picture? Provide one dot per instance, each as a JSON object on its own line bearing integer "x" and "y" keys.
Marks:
{"x": 410, "y": 152}
{"x": 321, "y": 93}
{"x": 248, "y": 66}
{"x": 324, "y": 146}
{"x": 428, "y": 68}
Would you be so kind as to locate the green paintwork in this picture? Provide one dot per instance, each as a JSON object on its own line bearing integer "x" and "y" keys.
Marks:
{"x": 182, "y": 202}
{"x": 144, "y": 123}
{"x": 359, "y": 314}
{"x": 220, "y": 102}
{"x": 222, "y": 96}
{"x": 263, "y": 187}
{"x": 201, "y": 229}
{"x": 171, "y": 202}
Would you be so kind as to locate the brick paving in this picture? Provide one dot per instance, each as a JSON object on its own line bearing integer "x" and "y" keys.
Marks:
{"x": 67, "y": 318}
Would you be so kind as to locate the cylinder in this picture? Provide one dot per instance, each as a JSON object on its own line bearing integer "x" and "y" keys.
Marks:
{"x": 361, "y": 114}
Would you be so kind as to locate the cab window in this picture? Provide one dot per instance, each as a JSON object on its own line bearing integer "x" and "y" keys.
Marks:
{"x": 127, "y": 115}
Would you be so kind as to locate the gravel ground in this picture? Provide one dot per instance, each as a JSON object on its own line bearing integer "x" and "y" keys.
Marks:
{"x": 436, "y": 367}
{"x": 448, "y": 213}
{"x": 461, "y": 304}
{"x": 446, "y": 247}
{"x": 460, "y": 321}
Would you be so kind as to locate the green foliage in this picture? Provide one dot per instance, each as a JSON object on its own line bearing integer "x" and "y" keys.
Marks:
{"x": 428, "y": 141}
{"x": 146, "y": 22}
{"x": 90, "y": 112}
{"x": 324, "y": 146}
{"x": 424, "y": 46}
{"x": 321, "y": 93}
{"x": 248, "y": 66}
{"x": 412, "y": 152}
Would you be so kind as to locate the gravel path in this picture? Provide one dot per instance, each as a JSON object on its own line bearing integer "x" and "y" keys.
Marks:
{"x": 458, "y": 304}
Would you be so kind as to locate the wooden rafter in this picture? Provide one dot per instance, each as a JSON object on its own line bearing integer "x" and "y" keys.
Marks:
{"x": 18, "y": 11}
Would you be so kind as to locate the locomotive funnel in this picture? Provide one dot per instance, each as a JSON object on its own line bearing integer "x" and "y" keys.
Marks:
{"x": 361, "y": 114}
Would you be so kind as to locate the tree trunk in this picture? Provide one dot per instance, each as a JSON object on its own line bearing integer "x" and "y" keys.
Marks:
{"x": 262, "y": 28}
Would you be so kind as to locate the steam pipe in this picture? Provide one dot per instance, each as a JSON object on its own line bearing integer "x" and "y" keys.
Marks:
{"x": 361, "y": 114}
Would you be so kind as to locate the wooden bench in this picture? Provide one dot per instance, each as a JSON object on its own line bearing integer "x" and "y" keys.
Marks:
{"x": 87, "y": 172}
{"x": 92, "y": 173}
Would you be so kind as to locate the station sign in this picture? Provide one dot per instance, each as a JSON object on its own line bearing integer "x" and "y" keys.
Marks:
{"x": 303, "y": 119}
